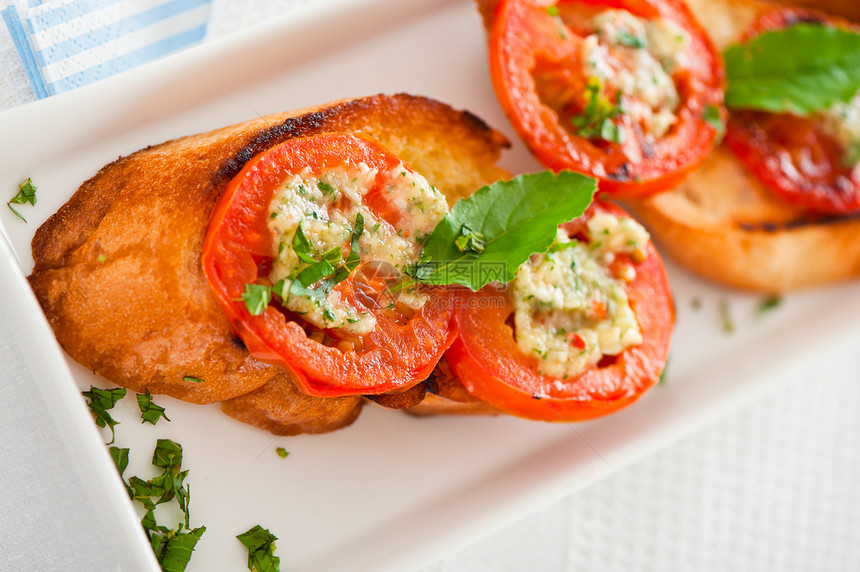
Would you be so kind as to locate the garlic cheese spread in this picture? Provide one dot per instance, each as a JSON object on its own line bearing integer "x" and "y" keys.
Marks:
{"x": 325, "y": 210}
{"x": 636, "y": 57}
{"x": 570, "y": 309}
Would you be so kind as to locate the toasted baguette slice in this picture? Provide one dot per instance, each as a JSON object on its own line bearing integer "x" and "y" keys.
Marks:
{"x": 118, "y": 272}
{"x": 725, "y": 225}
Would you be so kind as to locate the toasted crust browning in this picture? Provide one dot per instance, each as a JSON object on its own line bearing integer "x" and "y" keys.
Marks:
{"x": 117, "y": 268}
{"x": 280, "y": 408}
{"x": 723, "y": 224}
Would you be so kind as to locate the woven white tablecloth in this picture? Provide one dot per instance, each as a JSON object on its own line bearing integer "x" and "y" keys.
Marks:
{"x": 771, "y": 487}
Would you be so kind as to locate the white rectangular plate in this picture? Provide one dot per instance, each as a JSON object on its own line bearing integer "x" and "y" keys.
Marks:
{"x": 390, "y": 491}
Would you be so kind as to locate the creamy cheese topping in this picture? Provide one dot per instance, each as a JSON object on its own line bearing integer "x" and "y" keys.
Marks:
{"x": 326, "y": 208}
{"x": 842, "y": 121}
{"x": 570, "y": 309}
{"x": 636, "y": 57}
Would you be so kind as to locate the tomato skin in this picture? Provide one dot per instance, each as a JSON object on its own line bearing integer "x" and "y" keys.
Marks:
{"x": 523, "y": 34}
{"x": 793, "y": 156}
{"x": 490, "y": 365}
{"x": 400, "y": 352}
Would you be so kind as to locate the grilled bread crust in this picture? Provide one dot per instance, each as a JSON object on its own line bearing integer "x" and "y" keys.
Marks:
{"x": 118, "y": 273}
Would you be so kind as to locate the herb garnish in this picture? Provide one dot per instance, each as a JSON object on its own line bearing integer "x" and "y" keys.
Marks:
{"x": 100, "y": 401}
{"x": 302, "y": 246}
{"x": 514, "y": 219}
{"x": 192, "y": 379}
{"x": 26, "y": 194}
{"x": 629, "y": 40}
{"x": 726, "y": 316}
{"x": 257, "y": 297}
{"x": 261, "y": 549}
{"x": 469, "y": 240}
{"x": 149, "y": 411}
{"x": 770, "y": 303}
{"x": 120, "y": 459}
{"x": 282, "y": 453}
{"x": 172, "y": 547}
{"x": 595, "y": 122}
{"x": 713, "y": 117}
{"x": 801, "y": 69}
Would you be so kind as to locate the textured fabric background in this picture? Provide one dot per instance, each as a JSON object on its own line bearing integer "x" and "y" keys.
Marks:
{"x": 771, "y": 487}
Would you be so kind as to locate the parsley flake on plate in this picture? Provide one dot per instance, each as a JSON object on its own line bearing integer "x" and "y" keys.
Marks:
{"x": 26, "y": 194}
{"x": 100, "y": 401}
{"x": 261, "y": 549}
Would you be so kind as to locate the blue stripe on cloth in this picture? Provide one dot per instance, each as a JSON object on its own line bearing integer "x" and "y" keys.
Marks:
{"x": 19, "y": 37}
{"x": 109, "y": 32}
{"x": 127, "y": 61}
{"x": 62, "y": 14}
{"x": 34, "y": 3}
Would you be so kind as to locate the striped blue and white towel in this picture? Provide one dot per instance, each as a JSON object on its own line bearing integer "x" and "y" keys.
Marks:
{"x": 65, "y": 44}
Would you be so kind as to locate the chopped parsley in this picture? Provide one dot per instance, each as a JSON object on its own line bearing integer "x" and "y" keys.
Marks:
{"x": 120, "y": 458}
{"x": 595, "y": 122}
{"x": 261, "y": 549}
{"x": 172, "y": 546}
{"x": 713, "y": 117}
{"x": 625, "y": 38}
{"x": 26, "y": 194}
{"x": 726, "y": 317}
{"x": 770, "y": 303}
{"x": 149, "y": 411}
{"x": 100, "y": 401}
{"x": 326, "y": 188}
{"x": 192, "y": 379}
{"x": 282, "y": 453}
{"x": 302, "y": 246}
{"x": 469, "y": 241}
{"x": 257, "y": 298}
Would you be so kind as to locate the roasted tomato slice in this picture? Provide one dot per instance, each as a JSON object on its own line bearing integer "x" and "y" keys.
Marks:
{"x": 623, "y": 90}
{"x": 295, "y": 219}
{"x": 812, "y": 162}
{"x": 557, "y": 345}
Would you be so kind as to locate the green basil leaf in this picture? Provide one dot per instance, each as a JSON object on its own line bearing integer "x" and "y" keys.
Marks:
{"x": 800, "y": 70}
{"x": 516, "y": 218}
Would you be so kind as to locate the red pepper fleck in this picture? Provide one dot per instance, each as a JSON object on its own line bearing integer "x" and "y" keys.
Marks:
{"x": 576, "y": 340}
